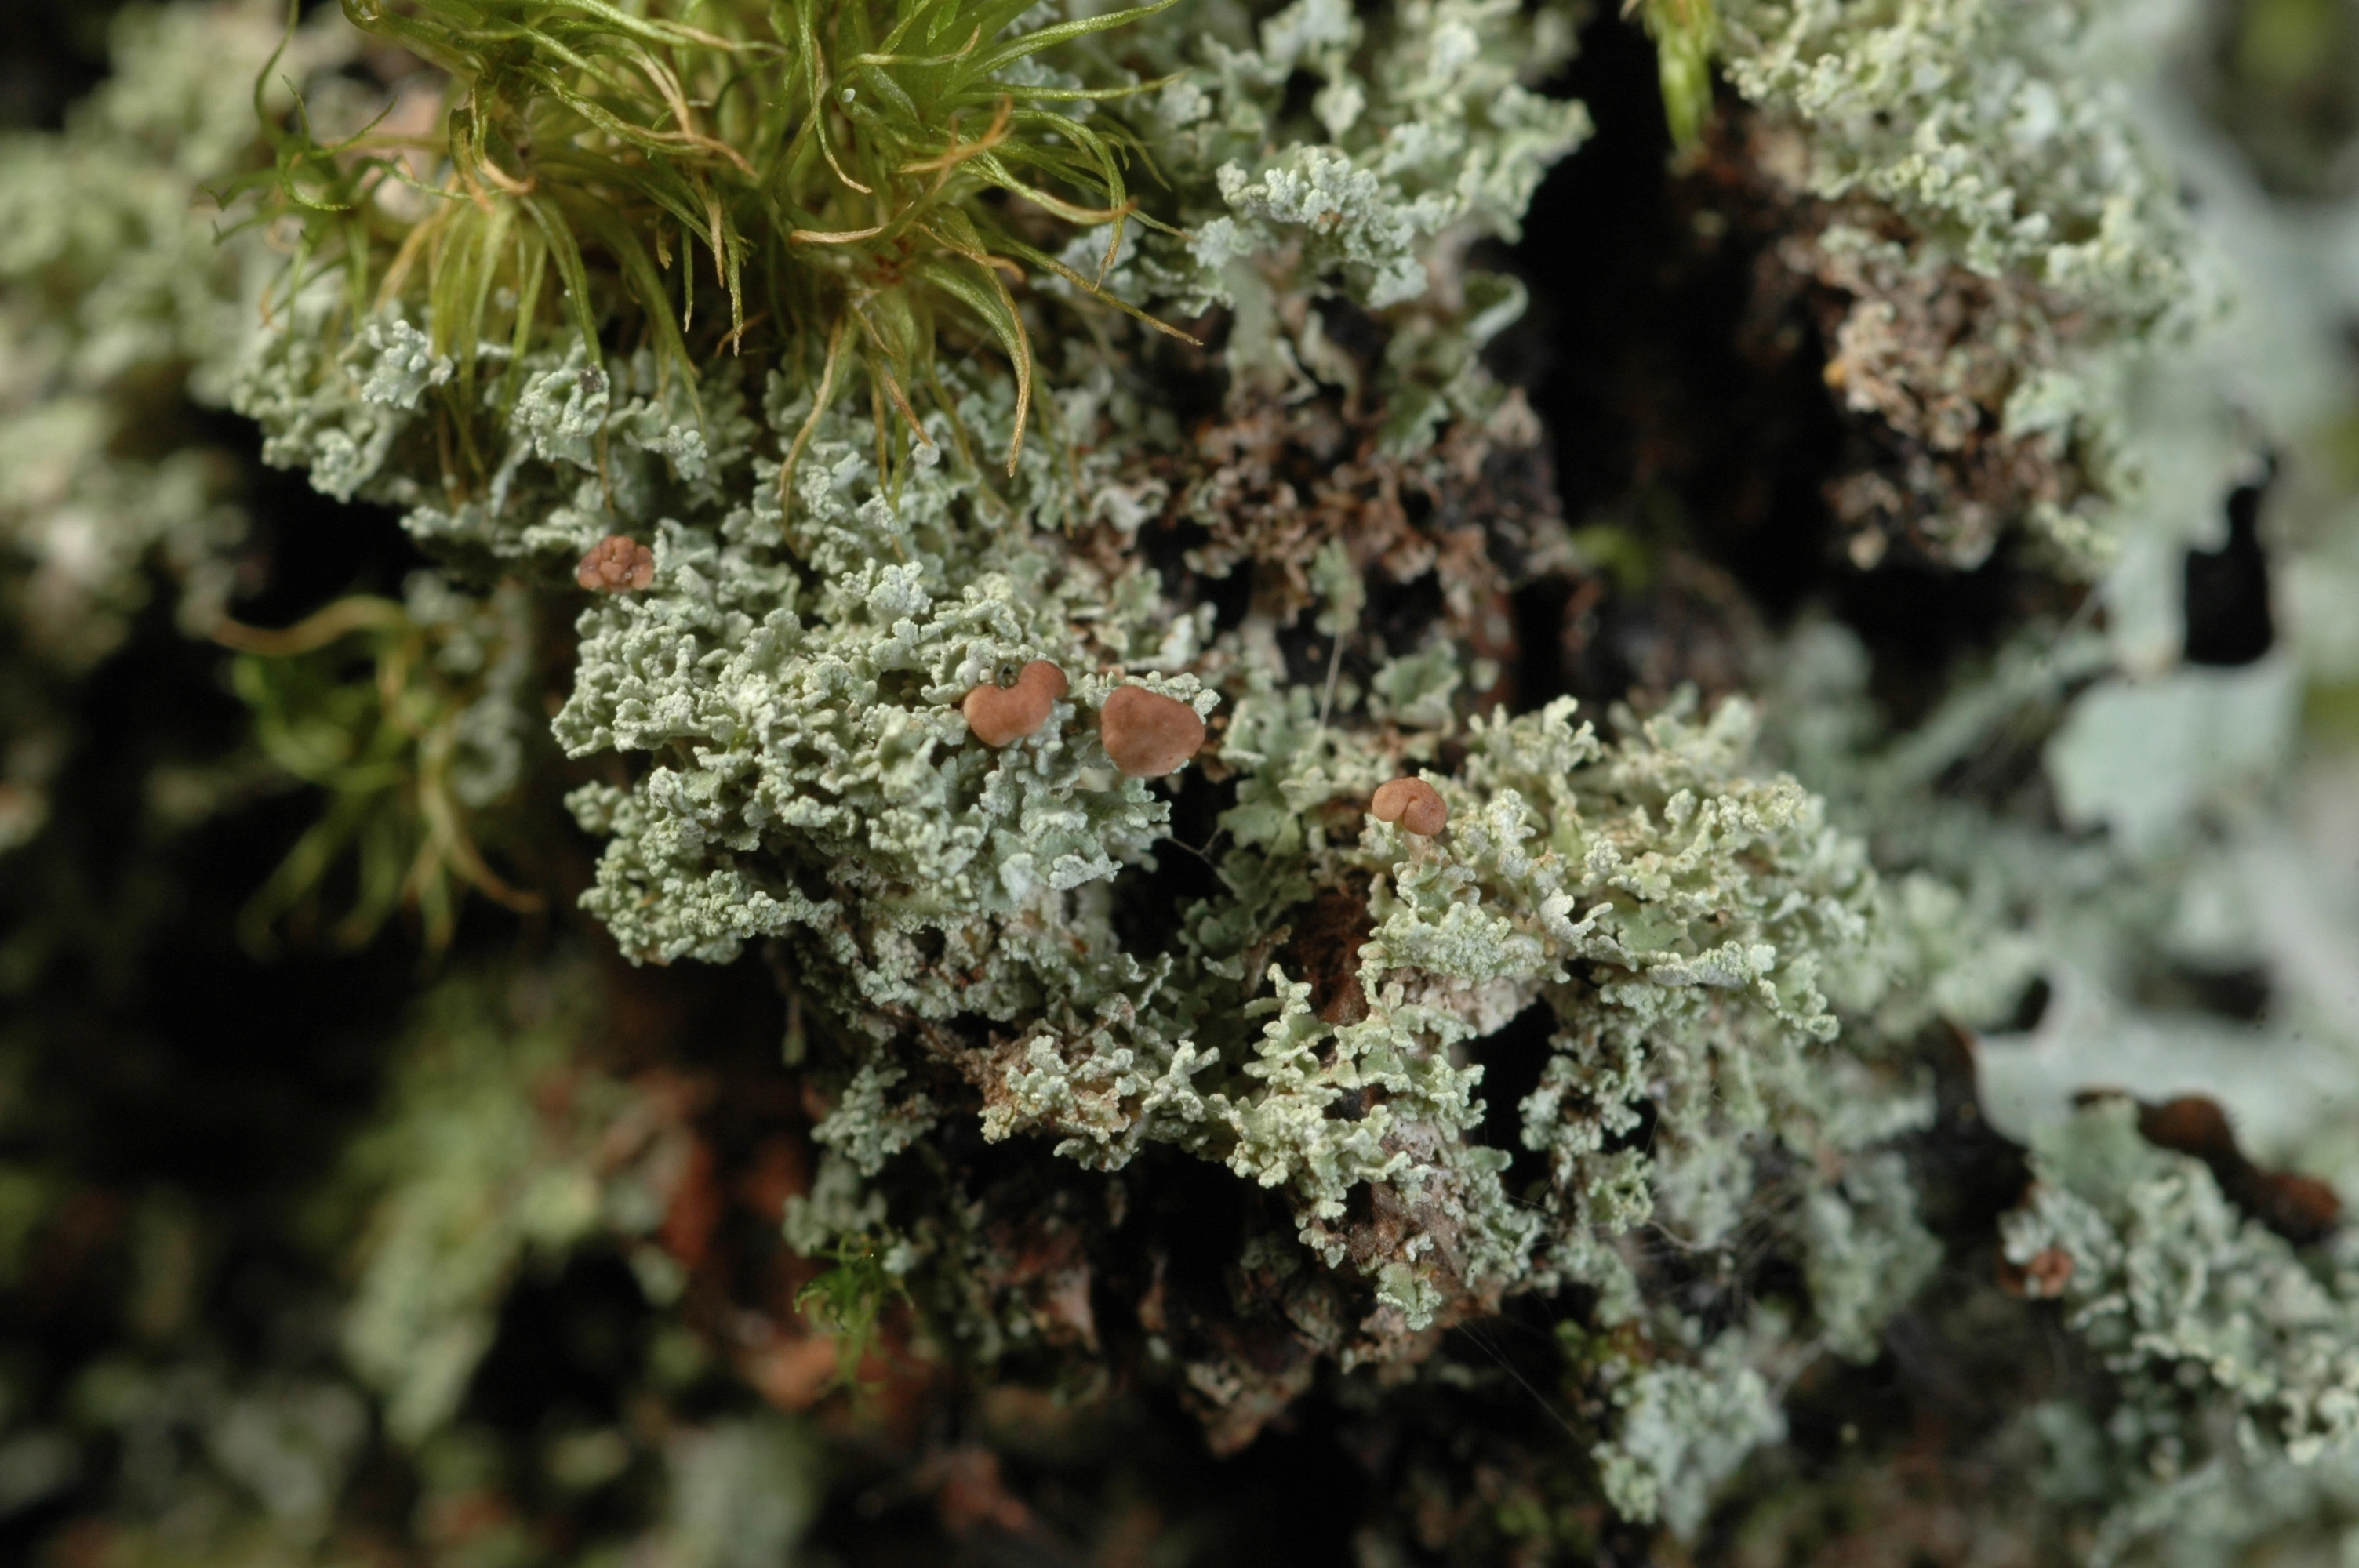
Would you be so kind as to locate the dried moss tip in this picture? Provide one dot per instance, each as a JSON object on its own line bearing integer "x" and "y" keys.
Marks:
{"x": 1148, "y": 734}
{"x": 1002, "y": 715}
{"x": 2038, "y": 1278}
{"x": 1416, "y": 804}
{"x": 617, "y": 564}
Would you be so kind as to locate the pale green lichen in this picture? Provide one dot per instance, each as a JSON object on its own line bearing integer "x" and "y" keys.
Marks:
{"x": 1432, "y": 123}
{"x": 2000, "y": 139}
{"x": 2234, "y": 1353}
{"x": 1425, "y": 131}
{"x": 1672, "y": 914}
{"x": 1687, "y": 1426}
{"x": 1731, "y": 985}
{"x": 119, "y": 314}
{"x": 117, "y": 306}
{"x": 743, "y": 1493}
{"x": 500, "y": 1144}
{"x": 1983, "y": 123}
{"x": 823, "y": 718}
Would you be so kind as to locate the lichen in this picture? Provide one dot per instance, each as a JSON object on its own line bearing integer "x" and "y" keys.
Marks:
{"x": 2232, "y": 1350}
{"x": 116, "y": 305}
{"x": 119, "y": 315}
{"x": 1615, "y": 1023}
{"x": 1686, "y": 1428}
{"x": 2012, "y": 247}
{"x": 788, "y": 689}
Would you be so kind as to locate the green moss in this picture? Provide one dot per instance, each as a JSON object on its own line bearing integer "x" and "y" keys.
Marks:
{"x": 830, "y": 162}
{"x": 412, "y": 751}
